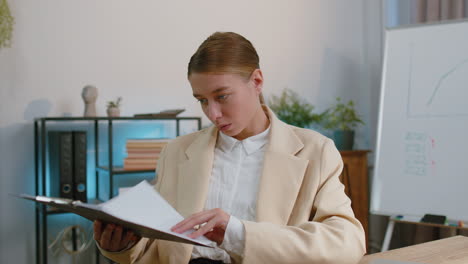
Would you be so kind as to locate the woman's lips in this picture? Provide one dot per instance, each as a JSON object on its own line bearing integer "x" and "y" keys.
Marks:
{"x": 225, "y": 127}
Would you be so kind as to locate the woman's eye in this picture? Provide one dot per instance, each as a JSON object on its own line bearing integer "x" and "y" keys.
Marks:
{"x": 202, "y": 101}
{"x": 223, "y": 97}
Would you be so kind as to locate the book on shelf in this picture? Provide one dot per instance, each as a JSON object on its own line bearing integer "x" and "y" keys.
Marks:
{"x": 136, "y": 167}
{"x": 145, "y": 146}
{"x": 148, "y": 140}
{"x": 67, "y": 163}
{"x": 61, "y": 163}
{"x": 143, "y": 162}
{"x": 79, "y": 166}
{"x": 139, "y": 168}
{"x": 144, "y": 150}
{"x": 142, "y": 154}
{"x": 140, "y": 161}
{"x": 157, "y": 142}
{"x": 139, "y": 155}
{"x": 130, "y": 210}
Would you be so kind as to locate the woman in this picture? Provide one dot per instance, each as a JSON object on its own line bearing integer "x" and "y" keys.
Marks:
{"x": 264, "y": 191}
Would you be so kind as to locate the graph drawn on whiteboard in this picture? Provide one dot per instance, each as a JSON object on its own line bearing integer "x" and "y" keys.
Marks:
{"x": 444, "y": 92}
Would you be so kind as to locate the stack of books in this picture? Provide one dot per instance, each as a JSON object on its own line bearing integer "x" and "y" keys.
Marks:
{"x": 143, "y": 154}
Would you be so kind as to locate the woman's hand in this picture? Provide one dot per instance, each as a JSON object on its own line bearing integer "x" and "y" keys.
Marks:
{"x": 112, "y": 237}
{"x": 215, "y": 223}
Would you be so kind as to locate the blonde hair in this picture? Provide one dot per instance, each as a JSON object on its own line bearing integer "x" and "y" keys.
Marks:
{"x": 225, "y": 52}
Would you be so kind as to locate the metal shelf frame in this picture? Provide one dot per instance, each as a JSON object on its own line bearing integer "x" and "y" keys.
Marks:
{"x": 40, "y": 149}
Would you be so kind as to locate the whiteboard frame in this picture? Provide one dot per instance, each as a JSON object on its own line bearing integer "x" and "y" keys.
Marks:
{"x": 375, "y": 187}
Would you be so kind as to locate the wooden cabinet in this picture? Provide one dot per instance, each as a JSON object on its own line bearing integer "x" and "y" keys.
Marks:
{"x": 355, "y": 179}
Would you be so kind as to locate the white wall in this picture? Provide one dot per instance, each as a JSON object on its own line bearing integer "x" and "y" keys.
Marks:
{"x": 140, "y": 49}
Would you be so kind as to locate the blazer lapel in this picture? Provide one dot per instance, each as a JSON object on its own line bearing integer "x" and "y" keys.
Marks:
{"x": 282, "y": 173}
{"x": 194, "y": 173}
{"x": 280, "y": 181}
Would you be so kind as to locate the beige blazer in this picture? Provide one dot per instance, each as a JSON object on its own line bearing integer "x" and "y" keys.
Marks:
{"x": 303, "y": 214}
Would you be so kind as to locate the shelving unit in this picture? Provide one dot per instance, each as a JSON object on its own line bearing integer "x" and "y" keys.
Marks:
{"x": 40, "y": 151}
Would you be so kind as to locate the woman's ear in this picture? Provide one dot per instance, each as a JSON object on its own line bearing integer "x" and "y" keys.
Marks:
{"x": 257, "y": 79}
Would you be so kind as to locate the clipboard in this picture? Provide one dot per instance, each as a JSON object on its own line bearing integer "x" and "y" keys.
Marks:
{"x": 141, "y": 221}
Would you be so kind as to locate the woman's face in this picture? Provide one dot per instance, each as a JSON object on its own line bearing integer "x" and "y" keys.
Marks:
{"x": 230, "y": 101}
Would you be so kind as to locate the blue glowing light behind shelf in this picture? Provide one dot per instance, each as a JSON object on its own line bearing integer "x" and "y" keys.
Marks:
{"x": 121, "y": 131}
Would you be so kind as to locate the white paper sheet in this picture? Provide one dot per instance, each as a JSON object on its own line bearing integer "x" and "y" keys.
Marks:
{"x": 142, "y": 205}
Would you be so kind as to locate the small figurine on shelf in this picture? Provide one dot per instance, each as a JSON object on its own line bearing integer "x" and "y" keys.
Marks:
{"x": 113, "y": 109}
{"x": 89, "y": 95}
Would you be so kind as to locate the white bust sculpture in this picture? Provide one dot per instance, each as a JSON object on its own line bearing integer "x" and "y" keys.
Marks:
{"x": 89, "y": 95}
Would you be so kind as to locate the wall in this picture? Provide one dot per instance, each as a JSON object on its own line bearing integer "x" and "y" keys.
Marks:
{"x": 404, "y": 13}
{"x": 139, "y": 50}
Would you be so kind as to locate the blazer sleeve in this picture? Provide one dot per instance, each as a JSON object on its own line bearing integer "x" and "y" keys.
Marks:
{"x": 145, "y": 246}
{"x": 333, "y": 235}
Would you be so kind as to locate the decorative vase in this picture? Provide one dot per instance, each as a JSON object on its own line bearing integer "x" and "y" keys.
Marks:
{"x": 89, "y": 95}
{"x": 113, "y": 112}
{"x": 344, "y": 139}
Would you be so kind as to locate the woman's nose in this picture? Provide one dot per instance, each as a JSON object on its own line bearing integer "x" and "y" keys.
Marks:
{"x": 213, "y": 111}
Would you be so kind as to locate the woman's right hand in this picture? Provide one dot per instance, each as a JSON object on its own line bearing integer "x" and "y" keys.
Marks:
{"x": 112, "y": 237}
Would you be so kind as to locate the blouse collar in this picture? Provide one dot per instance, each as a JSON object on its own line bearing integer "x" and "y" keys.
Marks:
{"x": 250, "y": 144}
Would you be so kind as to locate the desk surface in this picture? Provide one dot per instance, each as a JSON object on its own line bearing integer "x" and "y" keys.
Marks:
{"x": 453, "y": 250}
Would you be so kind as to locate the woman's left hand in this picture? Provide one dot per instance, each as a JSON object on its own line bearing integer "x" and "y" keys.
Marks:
{"x": 215, "y": 223}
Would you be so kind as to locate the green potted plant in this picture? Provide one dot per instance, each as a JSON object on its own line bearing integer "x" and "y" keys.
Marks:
{"x": 113, "y": 108}
{"x": 292, "y": 110}
{"x": 6, "y": 25}
{"x": 342, "y": 119}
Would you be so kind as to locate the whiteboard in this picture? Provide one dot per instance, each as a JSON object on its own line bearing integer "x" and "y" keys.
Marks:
{"x": 422, "y": 143}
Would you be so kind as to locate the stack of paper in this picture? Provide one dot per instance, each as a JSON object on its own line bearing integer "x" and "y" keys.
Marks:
{"x": 140, "y": 209}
